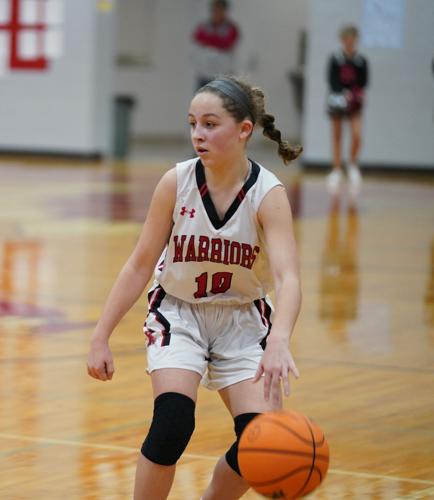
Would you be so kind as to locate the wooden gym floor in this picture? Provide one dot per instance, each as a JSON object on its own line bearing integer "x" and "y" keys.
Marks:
{"x": 364, "y": 342}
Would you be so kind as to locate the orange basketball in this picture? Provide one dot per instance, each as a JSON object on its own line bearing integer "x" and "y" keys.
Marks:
{"x": 283, "y": 455}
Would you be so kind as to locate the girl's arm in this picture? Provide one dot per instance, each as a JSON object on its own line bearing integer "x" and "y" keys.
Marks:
{"x": 134, "y": 275}
{"x": 333, "y": 75}
{"x": 364, "y": 77}
{"x": 275, "y": 217}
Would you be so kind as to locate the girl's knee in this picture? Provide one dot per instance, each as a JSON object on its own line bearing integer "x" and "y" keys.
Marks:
{"x": 171, "y": 429}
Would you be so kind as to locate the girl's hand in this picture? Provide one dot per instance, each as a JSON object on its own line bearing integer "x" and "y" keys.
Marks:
{"x": 275, "y": 364}
{"x": 100, "y": 360}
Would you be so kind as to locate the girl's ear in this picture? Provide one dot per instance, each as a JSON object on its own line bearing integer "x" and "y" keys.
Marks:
{"x": 246, "y": 129}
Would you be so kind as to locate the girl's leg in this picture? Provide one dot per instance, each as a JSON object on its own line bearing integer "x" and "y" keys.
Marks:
{"x": 153, "y": 481}
{"x": 336, "y": 141}
{"x": 356, "y": 135}
{"x": 240, "y": 398}
{"x": 354, "y": 176}
{"x": 334, "y": 178}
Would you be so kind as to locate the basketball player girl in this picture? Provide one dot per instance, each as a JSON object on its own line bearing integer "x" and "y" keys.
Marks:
{"x": 347, "y": 78}
{"x": 219, "y": 235}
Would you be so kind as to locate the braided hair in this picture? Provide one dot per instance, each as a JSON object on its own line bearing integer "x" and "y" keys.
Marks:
{"x": 254, "y": 110}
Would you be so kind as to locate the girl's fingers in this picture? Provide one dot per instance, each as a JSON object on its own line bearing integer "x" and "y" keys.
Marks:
{"x": 294, "y": 369}
{"x": 267, "y": 384}
{"x": 110, "y": 369}
{"x": 99, "y": 373}
{"x": 102, "y": 375}
{"x": 92, "y": 372}
{"x": 285, "y": 380}
{"x": 275, "y": 385}
{"x": 273, "y": 378}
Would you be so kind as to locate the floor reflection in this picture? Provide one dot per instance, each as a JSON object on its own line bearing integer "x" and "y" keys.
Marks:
{"x": 22, "y": 272}
{"x": 105, "y": 474}
{"x": 19, "y": 266}
{"x": 429, "y": 295}
{"x": 339, "y": 278}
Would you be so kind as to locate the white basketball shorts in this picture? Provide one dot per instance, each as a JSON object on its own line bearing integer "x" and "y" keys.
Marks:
{"x": 223, "y": 343}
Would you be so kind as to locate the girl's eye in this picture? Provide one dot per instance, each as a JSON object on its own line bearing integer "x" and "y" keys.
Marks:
{"x": 210, "y": 124}
{"x": 192, "y": 124}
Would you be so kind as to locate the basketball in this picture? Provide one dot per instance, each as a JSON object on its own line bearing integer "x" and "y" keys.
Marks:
{"x": 283, "y": 455}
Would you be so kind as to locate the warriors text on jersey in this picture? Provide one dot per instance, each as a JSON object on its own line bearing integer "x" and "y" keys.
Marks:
{"x": 209, "y": 259}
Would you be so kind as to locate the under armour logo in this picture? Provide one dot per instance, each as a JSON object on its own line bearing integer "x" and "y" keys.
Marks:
{"x": 185, "y": 211}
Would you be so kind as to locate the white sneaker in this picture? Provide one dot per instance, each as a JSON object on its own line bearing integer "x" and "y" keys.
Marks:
{"x": 354, "y": 178}
{"x": 334, "y": 180}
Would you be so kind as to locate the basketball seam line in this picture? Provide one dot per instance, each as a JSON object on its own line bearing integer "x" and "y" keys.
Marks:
{"x": 283, "y": 452}
{"x": 313, "y": 457}
{"x": 280, "y": 478}
{"x": 283, "y": 426}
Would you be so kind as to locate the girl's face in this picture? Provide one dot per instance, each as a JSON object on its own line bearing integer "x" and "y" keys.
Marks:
{"x": 215, "y": 134}
{"x": 349, "y": 43}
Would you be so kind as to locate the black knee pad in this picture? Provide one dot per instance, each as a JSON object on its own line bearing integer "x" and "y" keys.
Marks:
{"x": 171, "y": 428}
{"x": 241, "y": 422}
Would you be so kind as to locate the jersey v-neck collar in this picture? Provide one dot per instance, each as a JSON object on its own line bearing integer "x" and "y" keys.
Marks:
{"x": 206, "y": 197}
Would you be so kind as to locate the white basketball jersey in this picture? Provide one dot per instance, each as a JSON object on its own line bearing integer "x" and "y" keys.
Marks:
{"x": 212, "y": 260}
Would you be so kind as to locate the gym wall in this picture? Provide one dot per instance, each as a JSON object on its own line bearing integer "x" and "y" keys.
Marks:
{"x": 399, "y": 115}
{"x": 66, "y": 107}
{"x": 164, "y": 85}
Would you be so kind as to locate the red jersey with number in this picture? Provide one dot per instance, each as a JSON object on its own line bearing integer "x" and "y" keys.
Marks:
{"x": 209, "y": 259}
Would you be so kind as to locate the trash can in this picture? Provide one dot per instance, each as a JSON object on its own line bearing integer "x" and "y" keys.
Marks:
{"x": 123, "y": 107}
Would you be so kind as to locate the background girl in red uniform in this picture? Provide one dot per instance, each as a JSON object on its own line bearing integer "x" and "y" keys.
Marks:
{"x": 347, "y": 78}
{"x": 215, "y": 40}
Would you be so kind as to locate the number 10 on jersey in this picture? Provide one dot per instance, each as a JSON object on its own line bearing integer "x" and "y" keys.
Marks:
{"x": 220, "y": 283}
